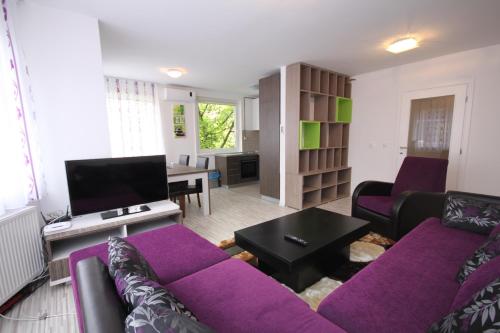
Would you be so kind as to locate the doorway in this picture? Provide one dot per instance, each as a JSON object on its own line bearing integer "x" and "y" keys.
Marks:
{"x": 432, "y": 125}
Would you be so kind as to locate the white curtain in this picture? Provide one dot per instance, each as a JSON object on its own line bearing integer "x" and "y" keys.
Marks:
{"x": 134, "y": 118}
{"x": 19, "y": 167}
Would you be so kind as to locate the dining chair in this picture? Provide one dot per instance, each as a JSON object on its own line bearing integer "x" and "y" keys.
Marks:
{"x": 184, "y": 159}
{"x": 201, "y": 163}
{"x": 177, "y": 190}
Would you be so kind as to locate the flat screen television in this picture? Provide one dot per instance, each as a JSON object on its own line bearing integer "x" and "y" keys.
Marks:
{"x": 103, "y": 184}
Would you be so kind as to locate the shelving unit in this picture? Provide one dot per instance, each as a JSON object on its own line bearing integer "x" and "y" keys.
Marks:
{"x": 318, "y": 116}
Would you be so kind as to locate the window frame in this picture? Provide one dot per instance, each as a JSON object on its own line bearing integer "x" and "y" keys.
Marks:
{"x": 237, "y": 126}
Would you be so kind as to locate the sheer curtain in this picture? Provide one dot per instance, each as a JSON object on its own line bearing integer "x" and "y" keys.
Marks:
{"x": 134, "y": 118}
{"x": 18, "y": 170}
{"x": 430, "y": 126}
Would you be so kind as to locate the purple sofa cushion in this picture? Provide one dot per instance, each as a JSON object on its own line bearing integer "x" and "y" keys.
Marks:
{"x": 409, "y": 287}
{"x": 134, "y": 289}
{"x": 155, "y": 315}
{"x": 233, "y": 296}
{"x": 488, "y": 251}
{"x": 480, "y": 314}
{"x": 378, "y": 204}
{"x": 421, "y": 174}
{"x": 173, "y": 252}
{"x": 477, "y": 280}
{"x": 124, "y": 256}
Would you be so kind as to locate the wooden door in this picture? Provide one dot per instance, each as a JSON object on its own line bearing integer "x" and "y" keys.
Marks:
{"x": 269, "y": 136}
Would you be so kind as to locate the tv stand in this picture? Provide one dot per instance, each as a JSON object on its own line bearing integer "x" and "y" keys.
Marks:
{"x": 91, "y": 229}
{"x": 124, "y": 211}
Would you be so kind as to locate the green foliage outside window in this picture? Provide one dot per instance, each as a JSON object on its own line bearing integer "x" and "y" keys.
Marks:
{"x": 217, "y": 125}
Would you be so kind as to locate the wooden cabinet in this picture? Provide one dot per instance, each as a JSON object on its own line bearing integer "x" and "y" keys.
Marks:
{"x": 237, "y": 168}
{"x": 269, "y": 135}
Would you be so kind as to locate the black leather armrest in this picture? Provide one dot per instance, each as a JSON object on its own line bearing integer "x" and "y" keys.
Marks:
{"x": 101, "y": 307}
{"x": 370, "y": 187}
{"x": 412, "y": 208}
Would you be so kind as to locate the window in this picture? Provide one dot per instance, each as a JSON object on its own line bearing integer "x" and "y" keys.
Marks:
{"x": 134, "y": 118}
{"x": 217, "y": 125}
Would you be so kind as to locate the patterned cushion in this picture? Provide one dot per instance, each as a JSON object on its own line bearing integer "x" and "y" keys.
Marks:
{"x": 485, "y": 253}
{"x": 155, "y": 315}
{"x": 473, "y": 213}
{"x": 133, "y": 289}
{"x": 124, "y": 256}
{"x": 481, "y": 314}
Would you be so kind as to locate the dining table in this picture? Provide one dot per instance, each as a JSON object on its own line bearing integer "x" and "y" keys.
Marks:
{"x": 177, "y": 173}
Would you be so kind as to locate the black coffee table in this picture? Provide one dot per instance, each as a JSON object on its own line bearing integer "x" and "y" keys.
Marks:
{"x": 328, "y": 234}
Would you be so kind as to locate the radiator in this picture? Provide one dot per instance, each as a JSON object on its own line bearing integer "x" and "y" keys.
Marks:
{"x": 21, "y": 257}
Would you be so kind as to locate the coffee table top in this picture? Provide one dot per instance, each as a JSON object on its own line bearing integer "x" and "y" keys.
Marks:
{"x": 319, "y": 227}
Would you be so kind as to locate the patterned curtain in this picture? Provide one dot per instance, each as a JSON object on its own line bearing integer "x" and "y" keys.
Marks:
{"x": 430, "y": 127}
{"x": 19, "y": 171}
{"x": 134, "y": 118}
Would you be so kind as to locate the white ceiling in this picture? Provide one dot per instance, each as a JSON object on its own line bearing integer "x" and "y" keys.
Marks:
{"x": 230, "y": 44}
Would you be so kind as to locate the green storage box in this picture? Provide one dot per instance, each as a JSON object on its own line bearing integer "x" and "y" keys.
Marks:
{"x": 344, "y": 110}
{"x": 309, "y": 134}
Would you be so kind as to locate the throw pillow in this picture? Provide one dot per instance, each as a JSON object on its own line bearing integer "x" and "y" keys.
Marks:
{"x": 481, "y": 314}
{"x": 123, "y": 255}
{"x": 134, "y": 289}
{"x": 484, "y": 275}
{"x": 482, "y": 255}
{"x": 472, "y": 213}
{"x": 154, "y": 315}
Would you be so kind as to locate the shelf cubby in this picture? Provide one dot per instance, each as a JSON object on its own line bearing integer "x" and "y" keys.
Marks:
{"x": 322, "y": 159}
{"x": 343, "y": 110}
{"x": 303, "y": 161}
{"x": 305, "y": 77}
{"x": 309, "y": 134}
{"x": 313, "y": 160}
{"x": 315, "y": 79}
{"x": 332, "y": 107}
{"x": 343, "y": 162}
{"x": 329, "y": 179}
{"x": 340, "y": 85}
{"x": 325, "y": 82}
{"x": 348, "y": 88}
{"x": 337, "y": 159}
{"x": 311, "y": 199}
{"x": 323, "y": 140}
{"x": 344, "y": 176}
{"x": 319, "y": 103}
{"x": 343, "y": 190}
{"x": 334, "y": 135}
{"x": 328, "y": 194}
{"x": 311, "y": 183}
{"x": 345, "y": 135}
{"x": 333, "y": 84}
{"x": 306, "y": 112}
{"x": 330, "y": 158}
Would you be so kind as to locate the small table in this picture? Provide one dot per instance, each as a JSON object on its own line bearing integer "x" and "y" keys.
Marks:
{"x": 179, "y": 173}
{"x": 328, "y": 234}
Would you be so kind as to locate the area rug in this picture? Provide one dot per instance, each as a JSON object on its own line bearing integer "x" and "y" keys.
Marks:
{"x": 362, "y": 253}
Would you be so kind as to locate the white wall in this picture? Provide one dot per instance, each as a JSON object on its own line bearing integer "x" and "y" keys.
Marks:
{"x": 189, "y": 144}
{"x": 63, "y": 53}
{"x": 375, "y": 128}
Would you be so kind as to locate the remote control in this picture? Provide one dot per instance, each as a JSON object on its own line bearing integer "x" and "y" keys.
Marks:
{"x": 296, "y": 239}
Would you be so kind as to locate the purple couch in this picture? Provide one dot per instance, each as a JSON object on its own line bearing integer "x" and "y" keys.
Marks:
{"x": 228, "y": 295}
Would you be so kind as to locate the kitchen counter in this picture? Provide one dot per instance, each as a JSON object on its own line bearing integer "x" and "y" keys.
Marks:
{"x": 237, "y": 168}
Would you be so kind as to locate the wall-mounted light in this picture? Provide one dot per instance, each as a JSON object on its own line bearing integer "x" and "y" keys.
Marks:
{"x": 403, "y": 45}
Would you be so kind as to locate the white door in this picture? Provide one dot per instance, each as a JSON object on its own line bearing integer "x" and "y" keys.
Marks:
{"x": 432, "y": 123}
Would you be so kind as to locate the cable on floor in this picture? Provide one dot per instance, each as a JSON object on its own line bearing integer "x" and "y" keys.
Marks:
{"x": 42, "y": 316}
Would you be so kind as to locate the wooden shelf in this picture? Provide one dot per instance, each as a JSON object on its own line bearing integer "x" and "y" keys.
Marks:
{"x": 329, "y": 179}
{"x": 343, "y": 190}
{"x": 311, "y": 199}
{"x": 335, "y": 136}
{"x": 325, "y": 82}
{"x": 328, "y": 194}
{"x": 340, "y": 85}
{"x": 345, "y": 135}
{"x": 323, "y": 135}
{"x": 333, "y": 84}
{"x": 305, "y": 77}
{"x": 343, "y": 162}
{"x": 344, "y": 176}
{"x": 322, "y": 159}
{"x": 315, "y": 80}
{"x": 313, "y": 160}
{"x": 337, "y": 159}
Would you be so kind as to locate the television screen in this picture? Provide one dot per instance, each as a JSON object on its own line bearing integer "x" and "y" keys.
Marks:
{"x": 104, "y": 184}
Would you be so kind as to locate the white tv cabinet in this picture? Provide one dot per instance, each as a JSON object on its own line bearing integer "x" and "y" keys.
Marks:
{"x": 91, "y": 229}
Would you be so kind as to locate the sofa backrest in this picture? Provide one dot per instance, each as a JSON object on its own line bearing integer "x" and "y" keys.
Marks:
{"x": 421, "y": 174}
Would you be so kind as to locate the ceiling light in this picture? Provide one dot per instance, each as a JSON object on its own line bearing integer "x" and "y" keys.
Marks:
{"x": 174, "y": 73}
{"x": 402, "y": 45}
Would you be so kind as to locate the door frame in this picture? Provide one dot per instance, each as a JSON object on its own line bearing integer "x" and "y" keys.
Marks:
{"x": 459, "y": 131}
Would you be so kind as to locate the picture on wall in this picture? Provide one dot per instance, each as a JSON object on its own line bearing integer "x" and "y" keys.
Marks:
{"x": 179, "y": 121}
